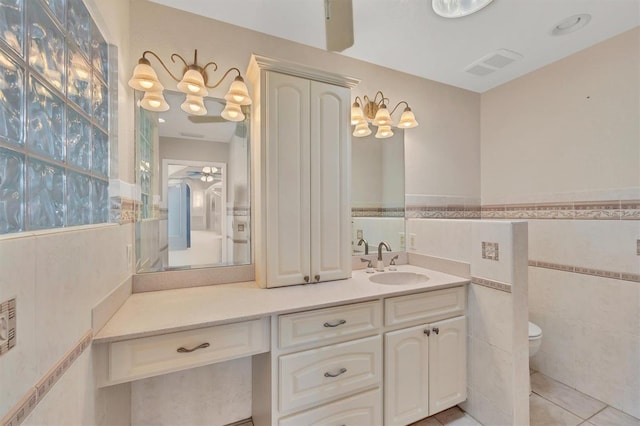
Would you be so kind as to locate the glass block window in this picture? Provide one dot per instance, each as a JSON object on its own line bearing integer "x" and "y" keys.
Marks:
{"x": 145, "y": 156}
{"x": 54, "y": 116}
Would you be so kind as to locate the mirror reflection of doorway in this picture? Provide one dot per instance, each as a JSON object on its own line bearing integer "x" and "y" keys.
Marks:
{"x": 196, "y": 200}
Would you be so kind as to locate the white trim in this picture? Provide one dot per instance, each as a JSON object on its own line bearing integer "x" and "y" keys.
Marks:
{"x": 258, "y": 62}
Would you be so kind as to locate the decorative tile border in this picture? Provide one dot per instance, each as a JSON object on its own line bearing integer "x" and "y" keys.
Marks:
{"x": 377, "y": 212}
{"x": 122, "y": 210}
{"x": 624, "y": 276}
{"x": 490, "y": 251}
{"x": 9, "y": 307}
{"x": 33, "y": 397}
{"x": 579, "y": 210}
{"x": 496, "y": 285}
{"x": 443, "y": 212}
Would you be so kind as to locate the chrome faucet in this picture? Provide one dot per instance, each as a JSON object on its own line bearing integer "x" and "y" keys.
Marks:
{"x": 380, "y": 265}
{"x": 366, "y": 245}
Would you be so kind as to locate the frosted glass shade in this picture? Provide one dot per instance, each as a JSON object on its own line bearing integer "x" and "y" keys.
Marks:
{"x": 357, "y": 116}
{"x": 383, "y": 118}
{"x": 407, "y": 119}
{"x": 384, "y": 132}
{"x": 238, "y": 93}
{"x": 194, "y": 105}
{"x": 145, "y": 79}
{"x": 154, "y": 101}
{"x": 232, "y": 112}
{"x": 192, "y": 83}
{"x": 362, "y": 129}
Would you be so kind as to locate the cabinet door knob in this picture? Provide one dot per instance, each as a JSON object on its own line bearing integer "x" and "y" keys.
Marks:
{"x": 340, "y": 322}
{"x": 341, "y": 371}
{"x": 427, "y": 332}
{"x": 436, "y": 330}
{"x": 184, "y": 350}
{"x": 306, "y": 278}
{"x": 317, "y": 277}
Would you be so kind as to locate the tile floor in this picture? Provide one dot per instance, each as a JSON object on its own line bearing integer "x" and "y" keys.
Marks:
{"x": 551, "y": 404}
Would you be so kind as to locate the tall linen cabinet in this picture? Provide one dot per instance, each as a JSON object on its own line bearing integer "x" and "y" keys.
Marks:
{"x": 301, "y": 156}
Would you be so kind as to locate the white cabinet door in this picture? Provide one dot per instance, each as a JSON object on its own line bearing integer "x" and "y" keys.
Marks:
{"x": 288, "y": 231}
{"x": 406, "y": 376}
{"x": 330, "y": 182}
{"x": 447, "y": 364}
{"x": 307, "y": 181}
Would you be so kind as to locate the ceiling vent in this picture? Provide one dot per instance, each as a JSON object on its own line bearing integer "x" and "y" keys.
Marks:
{"x": 493, "y": 62}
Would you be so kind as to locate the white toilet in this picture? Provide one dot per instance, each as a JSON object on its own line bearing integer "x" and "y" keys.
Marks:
{"x": 535, "y": 338}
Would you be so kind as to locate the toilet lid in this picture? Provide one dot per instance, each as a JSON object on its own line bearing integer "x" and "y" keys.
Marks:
{"x": 534, "y": 330}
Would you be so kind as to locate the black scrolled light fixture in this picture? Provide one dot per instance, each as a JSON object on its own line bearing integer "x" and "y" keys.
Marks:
{"x": 375, "y": 110}
{"x": 193, "y": 83}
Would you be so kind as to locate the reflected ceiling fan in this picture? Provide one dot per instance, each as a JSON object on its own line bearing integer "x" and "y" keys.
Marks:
{"x": 207, "y": 174}
{"x": 338, "y": 24}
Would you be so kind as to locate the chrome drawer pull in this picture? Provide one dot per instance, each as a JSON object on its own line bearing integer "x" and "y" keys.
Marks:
{"x": 342, "y": 371}
{"x": 184, "y": 350}
{"x": 340, "y": 322}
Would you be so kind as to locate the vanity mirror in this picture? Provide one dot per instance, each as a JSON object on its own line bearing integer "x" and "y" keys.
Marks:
{"x": 377, "y": 192}
{"x": 193, "y": 175}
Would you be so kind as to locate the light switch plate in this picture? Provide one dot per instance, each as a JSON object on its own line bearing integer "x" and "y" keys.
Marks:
{"x": 7, "y": 325}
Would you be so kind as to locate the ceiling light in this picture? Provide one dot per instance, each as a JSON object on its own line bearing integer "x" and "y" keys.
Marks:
{"x": 571, "y": 24}
{"x": 457, "y": 8}
{"x": 193, "y": 83}
{"x": 375, "y": 111}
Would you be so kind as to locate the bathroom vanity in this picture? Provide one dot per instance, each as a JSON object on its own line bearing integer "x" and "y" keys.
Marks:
{"x": 349, "y": 351}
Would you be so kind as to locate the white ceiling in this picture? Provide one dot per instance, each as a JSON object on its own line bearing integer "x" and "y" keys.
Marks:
{"x": 408, "y": 36}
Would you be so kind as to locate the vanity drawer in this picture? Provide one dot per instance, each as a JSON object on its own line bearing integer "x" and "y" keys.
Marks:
{"x": 321, "y": 375}
{"x": 364, "y": 409}
{"x": 325, "y": 324}
{"x": 150, "y": 356}
{"x": 425, "y": 307}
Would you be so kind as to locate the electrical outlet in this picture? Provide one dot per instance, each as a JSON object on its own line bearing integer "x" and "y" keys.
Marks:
{"x": 402, "y": 240}
{"x": 4, "y": 326}
{"x": 359, "y": 234}
{"x": 412, "y": 241}
{"x": 7, "y": 325}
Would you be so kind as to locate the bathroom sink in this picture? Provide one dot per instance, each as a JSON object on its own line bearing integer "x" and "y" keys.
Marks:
{"x": 398, "y": 278}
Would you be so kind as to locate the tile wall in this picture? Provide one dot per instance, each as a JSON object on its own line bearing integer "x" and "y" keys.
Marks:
{"x": 576, "y": 180}
{"x": 497, "y": 362}
{"x": 57, "y": 277}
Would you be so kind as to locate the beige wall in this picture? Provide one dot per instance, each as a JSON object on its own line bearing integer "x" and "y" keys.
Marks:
{"x": 571, "y": 126}
{"x": 570, "y": 132}
{"x": 442, "y": 153}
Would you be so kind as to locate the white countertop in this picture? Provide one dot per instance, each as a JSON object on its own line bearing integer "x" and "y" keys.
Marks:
{"x": 160, "y": 312}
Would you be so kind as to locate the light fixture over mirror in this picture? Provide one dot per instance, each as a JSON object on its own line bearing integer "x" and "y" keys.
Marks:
{"x": 193, "y": 83}
{"x": 375, "y": 111}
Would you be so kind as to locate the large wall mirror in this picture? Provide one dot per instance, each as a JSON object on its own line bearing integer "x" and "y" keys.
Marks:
{"x": 193, "y": 174}
{"x": 377, "y": 192}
